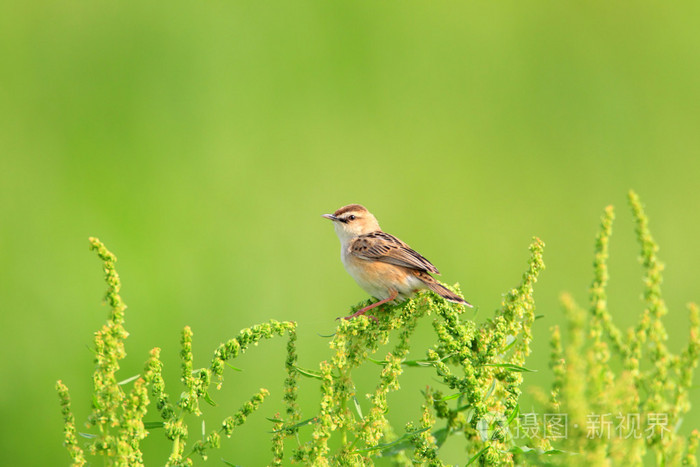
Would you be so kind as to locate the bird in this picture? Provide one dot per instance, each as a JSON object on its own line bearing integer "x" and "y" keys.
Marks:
{"x": 381, "y": 264}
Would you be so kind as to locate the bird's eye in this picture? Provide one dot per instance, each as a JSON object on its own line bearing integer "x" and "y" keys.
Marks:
{"x": 352, "y": 217}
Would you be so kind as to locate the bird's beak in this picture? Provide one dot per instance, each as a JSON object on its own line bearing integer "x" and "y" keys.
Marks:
{"x": 330, "y": 216}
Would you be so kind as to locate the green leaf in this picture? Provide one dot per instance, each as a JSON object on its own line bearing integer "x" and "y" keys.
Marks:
{"x": 528, "y": 449}
{"x": 397, "y": 448}
{"x": 452, "y": 396}
{"x": 441, "y": 436}
{"x": 469, "y": 409}
{"x": 477, "y": 455}
{"x": 309, "y": 373}
{"x": 510, "y": 344}
{"x": 426, "y": 362}
{"x": 234, "y": 368}
{"x": 308, "y": 421}
{"x": 482, "y": 427}
{"x": 153, "y": 425}
{"x": 383, "y": 447}
{"x": 208, "y": 399}
{"x": 128, "y": 380}
{"x": 413, "y": 362}
{"x": 513, "y": 414}
{"x": 229, "y": 463}
{"x": 378, "y": 362}
{"x": 490, "y": 390}
{"x": 417, "y": 363}
{"x": 357, "y": 407}
{"x": 510, "y": 366}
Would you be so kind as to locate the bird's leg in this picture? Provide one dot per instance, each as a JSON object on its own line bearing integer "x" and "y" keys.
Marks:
{"x": 364, "y": 310}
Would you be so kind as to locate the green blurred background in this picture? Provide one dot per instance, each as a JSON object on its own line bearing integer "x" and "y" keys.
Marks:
{"x": 201, "y": 141}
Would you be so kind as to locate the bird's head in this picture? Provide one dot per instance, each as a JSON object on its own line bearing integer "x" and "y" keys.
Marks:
{"x": 352, "y": 220}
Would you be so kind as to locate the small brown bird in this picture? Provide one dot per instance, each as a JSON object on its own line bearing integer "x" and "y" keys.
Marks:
{"x": 384, "y": 266}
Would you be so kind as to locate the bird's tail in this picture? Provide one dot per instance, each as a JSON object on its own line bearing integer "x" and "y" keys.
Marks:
{"x": 440, "y": 289}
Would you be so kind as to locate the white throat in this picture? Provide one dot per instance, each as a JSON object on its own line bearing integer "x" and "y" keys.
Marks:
{"x": 343, "y": 234}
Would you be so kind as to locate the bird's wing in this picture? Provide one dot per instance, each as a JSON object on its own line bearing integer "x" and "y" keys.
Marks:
{"x": 380, "y": 246}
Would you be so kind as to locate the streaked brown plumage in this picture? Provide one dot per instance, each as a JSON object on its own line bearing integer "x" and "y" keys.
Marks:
{"x": 381, "y": 246}
{"x": 380, "y": 263}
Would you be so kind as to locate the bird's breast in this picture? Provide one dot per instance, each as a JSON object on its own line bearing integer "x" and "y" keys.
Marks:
{"x": 378, "y": 278}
